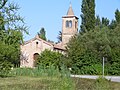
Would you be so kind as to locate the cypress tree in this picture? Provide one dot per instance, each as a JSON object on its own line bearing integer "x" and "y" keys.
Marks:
{"x": 117, "y": 16}
{"x": 42, "y": 34}
{"x": 88, "y": 15}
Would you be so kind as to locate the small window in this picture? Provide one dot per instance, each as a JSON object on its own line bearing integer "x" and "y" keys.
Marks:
{"x": 36, "y": 42}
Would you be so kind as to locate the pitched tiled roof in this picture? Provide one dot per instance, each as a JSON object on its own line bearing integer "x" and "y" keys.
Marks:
{"x": 59, "y": 46}
{"x": 37, "y": 38}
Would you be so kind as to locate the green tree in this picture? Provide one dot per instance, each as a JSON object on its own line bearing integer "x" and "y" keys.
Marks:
{"x": 114, "y": 23}
{"x": 59, "y": 36}
{"x": 42, "y": 34}
{"x": 100, "y": 39}
{"x": 105, "y": 21}
{"x": 117, "y": 16}
{"x": 12, "y": 26}
{"x": 97, "y": 21}
{"x": 88, "y": 15}
{"x": 86, "y": 51}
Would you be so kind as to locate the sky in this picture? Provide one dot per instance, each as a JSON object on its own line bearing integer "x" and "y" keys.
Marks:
{"x": 48, "y": 14}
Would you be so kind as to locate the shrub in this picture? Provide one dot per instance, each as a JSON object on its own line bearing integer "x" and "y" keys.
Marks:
{"x": 5, "y": 68}
{"x": 48, "y": 58}
{"x": 86, "y": 63}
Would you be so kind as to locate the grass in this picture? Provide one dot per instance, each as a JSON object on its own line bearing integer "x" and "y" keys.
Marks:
{"x": 49, "y": 83}
{"x": 90, "y": 84}
{"x": 32, "y": 83}
{"x": 39, "y": 78}
{"x": 51, "y": 78}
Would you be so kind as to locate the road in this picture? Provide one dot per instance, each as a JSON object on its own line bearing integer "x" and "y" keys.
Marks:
{"x": 111, "y": 78}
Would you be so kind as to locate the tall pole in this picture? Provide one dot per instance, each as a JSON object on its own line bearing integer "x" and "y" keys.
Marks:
{"x": 103, "y": 65}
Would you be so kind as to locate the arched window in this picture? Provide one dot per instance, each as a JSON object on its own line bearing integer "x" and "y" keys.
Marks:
{"x": 70, "y": 23}
{"x": 67, "y": 23}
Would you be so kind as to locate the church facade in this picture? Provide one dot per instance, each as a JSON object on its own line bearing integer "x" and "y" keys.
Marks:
{"x": 33, "y": 47}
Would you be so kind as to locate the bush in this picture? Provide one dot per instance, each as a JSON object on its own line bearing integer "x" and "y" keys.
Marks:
{"x": 86, "y": 63}
{"x": 5, "y": 68}
{"x": 48, "y": 58}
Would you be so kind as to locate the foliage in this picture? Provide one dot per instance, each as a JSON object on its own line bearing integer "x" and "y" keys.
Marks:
{"x": 117, "y": 16}
{"x": 59, "y": 36}
{"x": 115, "y": 22}
{"x": 49, "y": 58}
{"x": 85, "y": 51}
{"x": 51, "y": 75}
{"x": 101, "y": 38}
{"x": 105, "y": 21}
{"x": 55, "y": 83}
{"x": 97, "y": 21}
{"x": 9, "y": 53}
{"x": 42, "y": 34}
{"x": 88, "y": 15}
{"x": 12, "y": 26}
{"x": 5, "y": 68}
{"x": 40, "y": 71}
{"x": 102, "y": 84}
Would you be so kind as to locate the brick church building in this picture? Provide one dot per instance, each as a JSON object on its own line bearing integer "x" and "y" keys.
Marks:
{"x": 33, "y": 47}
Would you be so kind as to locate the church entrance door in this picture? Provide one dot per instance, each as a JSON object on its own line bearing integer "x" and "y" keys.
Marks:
{"x": 35, "y": 57}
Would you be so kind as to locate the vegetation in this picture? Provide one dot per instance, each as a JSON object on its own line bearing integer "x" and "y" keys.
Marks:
{"x": 48, "y": 58}
{"x": 117, "y": 16}
{"x": 27, "y": 78}
{"x": 88, "y": 15}
{"x": 98, "y": 38}
{"x": 87, "y": 50}
{"x": 38, "y": 78}
{"x": 59, "y": 37}
{"x": 102, "y": 39}
{"x": 51, "y": 78}
{"x": 11, "y": 27}
{"x": 42, "y": 34}
{"x": 40, "y": 83}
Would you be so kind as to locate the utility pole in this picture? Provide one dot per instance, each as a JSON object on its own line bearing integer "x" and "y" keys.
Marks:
{"x": 103, "y": 66}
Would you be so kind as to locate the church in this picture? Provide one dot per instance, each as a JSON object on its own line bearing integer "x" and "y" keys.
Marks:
{"x": 32, "y": 48}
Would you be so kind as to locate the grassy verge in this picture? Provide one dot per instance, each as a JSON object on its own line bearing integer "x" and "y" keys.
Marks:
{"x": 51, "y": 78}
{"x": 99, "y": 84}
{"x": 50, "y": 83}
{"x": 34, "y": 83}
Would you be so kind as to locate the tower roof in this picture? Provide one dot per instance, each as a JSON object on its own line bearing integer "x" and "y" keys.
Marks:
{"x": 70, "y": 11}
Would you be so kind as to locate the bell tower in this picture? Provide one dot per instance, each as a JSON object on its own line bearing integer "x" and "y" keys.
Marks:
{"x": 69, "y": 26}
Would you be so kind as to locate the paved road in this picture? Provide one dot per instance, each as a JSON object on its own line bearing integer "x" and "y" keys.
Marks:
{"x": 112, "y": 78}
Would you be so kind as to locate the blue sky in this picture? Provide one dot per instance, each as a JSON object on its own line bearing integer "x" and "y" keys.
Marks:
{"x": 48, "y": 14}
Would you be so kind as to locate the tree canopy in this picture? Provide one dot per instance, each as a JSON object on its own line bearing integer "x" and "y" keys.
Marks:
{"x": 42, "y": 34}
{"x": 101, "y": 38}
{"x": 12, "y": 26}
{"x": 88, "y": 15}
